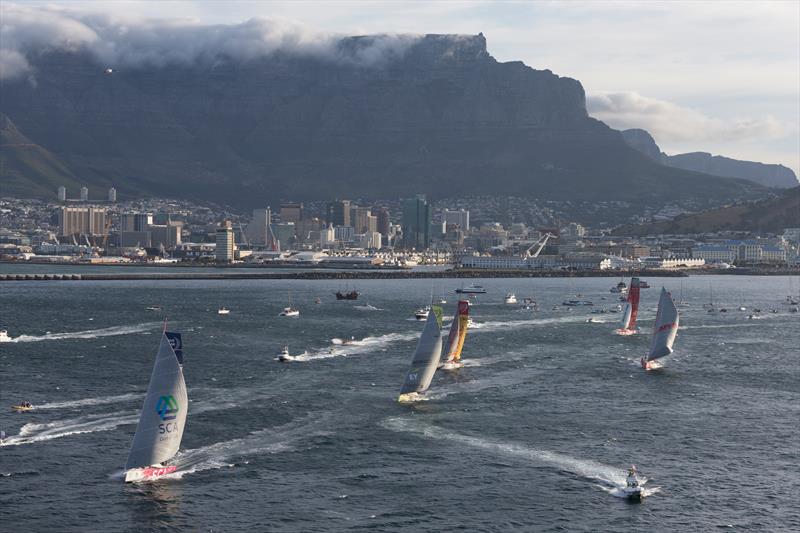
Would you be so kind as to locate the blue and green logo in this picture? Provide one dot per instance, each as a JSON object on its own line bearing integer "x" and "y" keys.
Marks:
{"x": 167, "y": 408}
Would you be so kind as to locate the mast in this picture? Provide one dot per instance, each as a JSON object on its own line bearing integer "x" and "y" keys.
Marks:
{"x": 426, "y": 356}
{"x": 161, "y": 423}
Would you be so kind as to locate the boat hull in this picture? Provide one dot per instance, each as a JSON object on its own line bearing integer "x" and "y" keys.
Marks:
{"x": 149, "y": 473}
{"x": 626, "y": 332}
{"x": 651, "y": 365}
{"x": 634, "y": 494}
{"x": 452, "y": 365}
{"x": 410, "y": 397}
{"x": 21, "y": 408}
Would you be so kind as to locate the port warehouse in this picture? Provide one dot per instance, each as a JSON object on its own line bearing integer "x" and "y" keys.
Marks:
{"x": 572, "y": 262}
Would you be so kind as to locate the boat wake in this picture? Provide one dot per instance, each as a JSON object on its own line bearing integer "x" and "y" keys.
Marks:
{"x": 366, "y": 308}
{"x": 608, "y": 478}
{"x": 341, "y": 348}
{"x": 89, "y": 334}
{"x": 85, "y": 402}
{"x": 224, "y": 454}
{"x": 32, "y": 433}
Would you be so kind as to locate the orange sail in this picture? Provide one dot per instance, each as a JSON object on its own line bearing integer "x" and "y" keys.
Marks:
{"x": 458, "y": 332}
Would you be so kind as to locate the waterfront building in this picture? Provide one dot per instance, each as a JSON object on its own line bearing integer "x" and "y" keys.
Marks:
{"x": 112, "y": 195}
{"x": 370, "y": 241}
{"x": 574, "y": 231}
{"x": 327, "y": 236}
{"x": 224, "y": 252}
{"x": 62, "y": 194}
{"x": 135, "y": 221}
{"x": 417, "y": 223}
{"x": 458, "y": 218}
{"x": 84, "y": 194}
{"x": 284, "y": 233}
{"x": 338, "y": 213}
{"x": 166, "y": 235}
{"x": 344, "y": 233}
{"x": 135, "y": 239}
{"x": 81, "y": 221}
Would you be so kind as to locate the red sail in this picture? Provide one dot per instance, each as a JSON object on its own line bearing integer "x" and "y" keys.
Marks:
{"x": 633, "y": 300}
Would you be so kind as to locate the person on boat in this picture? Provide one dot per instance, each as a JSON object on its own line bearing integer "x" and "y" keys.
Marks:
{"x": 632, "y": 481}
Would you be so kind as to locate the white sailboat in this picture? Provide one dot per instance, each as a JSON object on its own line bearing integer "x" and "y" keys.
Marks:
{"x": 426, "y": 358}
{"x": 161, "y": 424}
{"x": 664, "y": 332}
{"x": 458, "y": 334}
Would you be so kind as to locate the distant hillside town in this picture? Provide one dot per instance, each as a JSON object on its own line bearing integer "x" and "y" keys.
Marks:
{"x": 473, "y": 233}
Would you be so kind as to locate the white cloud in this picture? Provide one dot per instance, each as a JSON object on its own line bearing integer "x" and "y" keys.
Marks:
{"x": 116, "y": 40}
{"x": 671, "y": 123}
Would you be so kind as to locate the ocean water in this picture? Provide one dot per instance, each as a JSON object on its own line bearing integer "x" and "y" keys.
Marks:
{"x": 533, "y": 434}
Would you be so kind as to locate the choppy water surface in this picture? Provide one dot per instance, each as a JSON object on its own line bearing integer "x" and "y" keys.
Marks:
{"x": 533, "y": 434}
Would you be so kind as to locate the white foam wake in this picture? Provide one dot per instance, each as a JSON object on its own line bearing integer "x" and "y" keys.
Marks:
{"x": 89, "y": 334}
{"x": 357, "y": 347}
{"x": 32, "y": 433}
{"x": 269, "y": 440}
{"x": 611, "y": 479}
{"x": 84, "y": 402}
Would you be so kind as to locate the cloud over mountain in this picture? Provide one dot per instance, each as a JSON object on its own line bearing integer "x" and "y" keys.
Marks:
{"x": 133, "y": 41}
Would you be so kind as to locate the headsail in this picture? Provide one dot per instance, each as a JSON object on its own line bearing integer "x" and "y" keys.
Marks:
{"x": 631, "y": 306}
{"x": 427, "y": 354}
{"x": 665, "y": 328}
{"x": 158, "y": 435}
{"x": 458, "y": 332}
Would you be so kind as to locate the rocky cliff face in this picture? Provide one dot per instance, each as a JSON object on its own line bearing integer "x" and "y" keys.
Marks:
{"x": 438, "y": 116}
{"x": 716, "y": 165}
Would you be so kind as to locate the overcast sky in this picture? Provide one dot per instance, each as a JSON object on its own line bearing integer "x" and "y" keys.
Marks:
{"x": 717, "y": 76}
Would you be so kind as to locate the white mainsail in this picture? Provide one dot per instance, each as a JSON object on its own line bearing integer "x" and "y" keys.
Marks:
{"x": 665, "y": 328}
{"x": 158, "y": 435}
{"x": 426, "y": 356}
{"x": 627, "y": 311}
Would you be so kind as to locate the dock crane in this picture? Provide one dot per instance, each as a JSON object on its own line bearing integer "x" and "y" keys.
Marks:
{"x": 539, "y": 245}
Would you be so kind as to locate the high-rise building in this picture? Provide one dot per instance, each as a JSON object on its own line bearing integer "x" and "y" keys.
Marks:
{"x": 417, "y": 223}
{"x": 84, "y": 194}
{"x": 62, "y": 194}
{"x": 81, "y": 220}
{"x": 257, "y": 231}
{"x": 359, "y": 219}
{"x": 338, "y": 213}
{"x": 284, "y": 233}
{"x": 112, "y": 194}
{"x": 384, "y": 222}
{"x": 370, "y": 240}
{"x": 459, "y": 218}
{"x": 291, "y": 213}
{"x": 166, "y": 235}
{"x": 225, "y": 243}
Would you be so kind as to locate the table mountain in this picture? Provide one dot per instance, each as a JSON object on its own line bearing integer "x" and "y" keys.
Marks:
{"x": 441, "y": 116}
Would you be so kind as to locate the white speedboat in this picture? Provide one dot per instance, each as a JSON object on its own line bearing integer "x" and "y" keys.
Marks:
{"x": 284, "y": 356}
{"x": 422, "y": 312}
{"x": 634, "y": 489}
{"x": 471, "y": 289}
{"x": 510, "y": 298}
{"x": 223, "y": 311}
{"x": 22, "y": 407}
{"x": 621, "y": 288}
{"x": 289, "y": 311}
{"x": 4, "y": 336}
{"x": 153, "y": 308}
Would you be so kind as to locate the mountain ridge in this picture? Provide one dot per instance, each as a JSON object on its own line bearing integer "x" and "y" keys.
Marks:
{"x": 441, "y": 117}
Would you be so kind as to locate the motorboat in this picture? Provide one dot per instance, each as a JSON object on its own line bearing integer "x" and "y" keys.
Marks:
{"x": 634, "y": 489}
{"x": 422, "y": 312}
{"x": 620, "y": 288}
{"x": 153, "y": 308}
{"x": 510, "y": 298}
{"x": 643, "y": 284}
{"x": 289, "y": 311}
{"x": 284, "y": 356}
{"x": 21, "y": 407}
{"x": 575, "y": 303}
{"x": 471, "y": 289}
{"x": 4, "y": 336}
{"x": 352, "y": 295}
{"x": 223, "y": 311}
